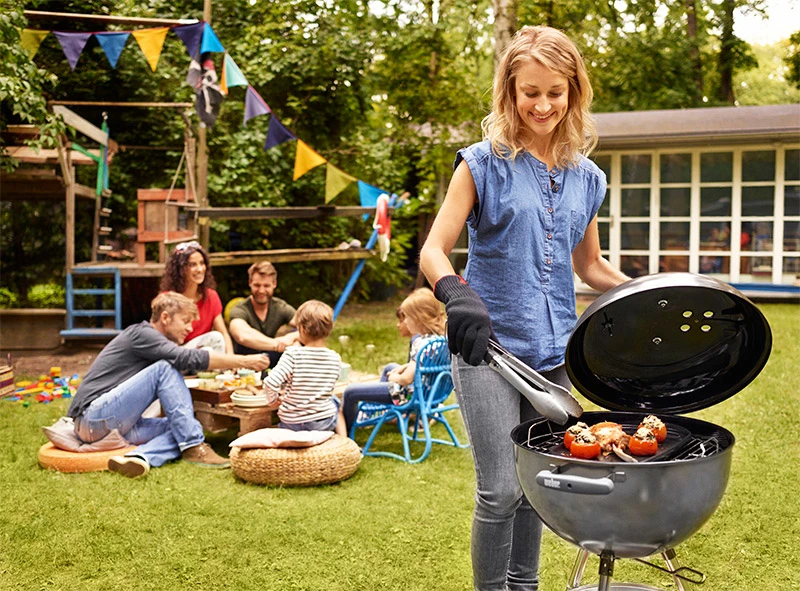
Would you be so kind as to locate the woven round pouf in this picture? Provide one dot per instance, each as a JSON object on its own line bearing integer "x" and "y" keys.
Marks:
{"x": 52, "y": 458}
{"x": 326, "y": 463}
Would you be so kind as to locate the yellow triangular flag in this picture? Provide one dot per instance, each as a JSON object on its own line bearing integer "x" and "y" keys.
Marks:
{"x": 31, "y": 39}
{"x": 336, "y": 181}
{"x": 305, "y": 159}
{"x": 152, "y": 42}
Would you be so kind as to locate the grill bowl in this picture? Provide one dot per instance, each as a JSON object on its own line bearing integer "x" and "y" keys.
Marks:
{"x": 630, "y": 510}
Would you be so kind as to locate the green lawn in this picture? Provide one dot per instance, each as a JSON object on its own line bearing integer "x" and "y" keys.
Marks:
{"x": 390, "y": 526}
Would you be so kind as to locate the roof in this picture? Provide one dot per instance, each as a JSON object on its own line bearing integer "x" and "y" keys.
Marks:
{"x": 705, "y": 126}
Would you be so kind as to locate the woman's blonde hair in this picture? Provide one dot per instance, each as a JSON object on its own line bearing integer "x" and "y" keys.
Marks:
{"x": 425, "y": 310}
{"x": 315, "y": 318}
{"x": 575, "y": 134}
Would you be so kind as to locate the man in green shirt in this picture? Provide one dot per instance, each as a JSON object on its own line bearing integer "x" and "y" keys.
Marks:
{"x": 255, "y": 322}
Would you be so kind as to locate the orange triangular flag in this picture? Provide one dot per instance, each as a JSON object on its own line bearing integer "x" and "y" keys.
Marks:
{"x": 151, "y": 42}
{"x": 223, "y": 83}
{"x": 305, "y": 159}
{"x": 336, "y": 181}
{"x": 30, "y": 40}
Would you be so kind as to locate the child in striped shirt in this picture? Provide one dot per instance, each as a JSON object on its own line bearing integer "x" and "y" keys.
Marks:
{"x": 305, "y": 375}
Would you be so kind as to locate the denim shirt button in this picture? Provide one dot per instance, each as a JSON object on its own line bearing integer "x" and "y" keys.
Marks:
{"x": 549, "y": 236}
{"x": 549, "y": 210}
{"x": 548, "y": 261}
{"x": 555, "y": 188}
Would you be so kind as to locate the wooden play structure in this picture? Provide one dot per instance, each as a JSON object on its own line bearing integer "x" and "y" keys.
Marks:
{"x": 166, "y": 216}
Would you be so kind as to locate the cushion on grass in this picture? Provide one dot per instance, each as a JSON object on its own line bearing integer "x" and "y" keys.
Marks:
{"x": 52, "y": 458}
{"x": 276, "y": 437}
{"x": 334, "y": 460}
{"x": 62, "y": 435}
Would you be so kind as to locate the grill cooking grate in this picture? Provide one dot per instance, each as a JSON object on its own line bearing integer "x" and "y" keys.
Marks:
{"x": 690, "y": 448}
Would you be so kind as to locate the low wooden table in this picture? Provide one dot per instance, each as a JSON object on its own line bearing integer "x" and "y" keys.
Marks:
{"x": 216, "y": 413}
{"x": 219, "y": 417}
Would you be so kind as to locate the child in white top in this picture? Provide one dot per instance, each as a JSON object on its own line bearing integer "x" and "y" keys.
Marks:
{"x": 305, "y": 375}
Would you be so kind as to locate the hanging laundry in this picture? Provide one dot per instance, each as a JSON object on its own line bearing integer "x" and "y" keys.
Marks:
{"x": 208, "y": 94}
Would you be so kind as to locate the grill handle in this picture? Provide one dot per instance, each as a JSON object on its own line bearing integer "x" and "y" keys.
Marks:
{"x": 577, "y": 484}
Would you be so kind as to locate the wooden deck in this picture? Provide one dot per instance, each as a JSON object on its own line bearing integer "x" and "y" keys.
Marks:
{"x": 245, "y": 257}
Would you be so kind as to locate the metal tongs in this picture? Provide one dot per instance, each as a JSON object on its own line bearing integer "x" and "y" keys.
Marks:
{"x": 550, "y": 400}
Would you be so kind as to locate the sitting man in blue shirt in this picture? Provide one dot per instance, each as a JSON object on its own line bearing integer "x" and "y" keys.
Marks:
{"x": 143, "y": 364}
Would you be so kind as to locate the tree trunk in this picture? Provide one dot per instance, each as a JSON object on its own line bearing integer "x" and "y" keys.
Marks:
{"x": 694, "y": 51}
{"x": 505, "y": 25}
{"x": 726, "y": 54}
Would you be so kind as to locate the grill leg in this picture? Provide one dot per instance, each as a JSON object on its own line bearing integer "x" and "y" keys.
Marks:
{"x": 606, "y": 570}
{"x": 672, "y": 563}
{"x": 578, "y": 568}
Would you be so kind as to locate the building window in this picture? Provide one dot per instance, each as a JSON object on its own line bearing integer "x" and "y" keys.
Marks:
{"x": 730, "y": 212}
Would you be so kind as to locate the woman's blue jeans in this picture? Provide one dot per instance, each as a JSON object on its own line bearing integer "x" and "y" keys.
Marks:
{"x": 158, "y": 439}
{"x": 506, "y": 531}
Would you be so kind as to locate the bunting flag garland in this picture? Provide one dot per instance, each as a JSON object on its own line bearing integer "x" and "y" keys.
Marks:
{"x": 151, "y": 41}
{"x": 30, "y": 40}
{"x": 191, "y": 35}
{"x": 200, "y": 41}
{"x": 254, "y": 105}
{"x": 233, "y": 75}
{"x": 72, "y": 44}
{"x": 210, "y": 41}
{"x": 336, "y": 181}
{"x": 305, "y": 159}
{"x": 277, "y": 134}
{"x": 112, "y": 44}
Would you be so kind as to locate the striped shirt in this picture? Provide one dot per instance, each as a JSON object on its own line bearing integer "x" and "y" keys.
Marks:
{"x": 307, "y": 376}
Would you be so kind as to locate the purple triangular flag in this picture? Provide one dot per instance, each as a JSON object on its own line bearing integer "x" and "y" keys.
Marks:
{"x": 112, "y": 44}
{"x": 191, "y": 35}
{"x": 254, "y": 105}
{"x": 277, "y": 133}
{"x": 72, "y": 44}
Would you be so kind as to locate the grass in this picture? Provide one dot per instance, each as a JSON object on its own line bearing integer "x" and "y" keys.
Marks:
{"x": 391, "y": 526}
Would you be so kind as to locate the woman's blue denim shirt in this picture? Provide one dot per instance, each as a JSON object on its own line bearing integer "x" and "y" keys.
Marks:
{"x": 522, "y": 232}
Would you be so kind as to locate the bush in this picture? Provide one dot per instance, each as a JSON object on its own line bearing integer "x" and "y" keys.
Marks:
{"x": 8, "y": 299}
{"x": 47, "y": 295}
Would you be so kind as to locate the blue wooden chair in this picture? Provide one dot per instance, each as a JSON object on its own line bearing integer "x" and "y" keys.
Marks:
{"x": 433, "y": 384}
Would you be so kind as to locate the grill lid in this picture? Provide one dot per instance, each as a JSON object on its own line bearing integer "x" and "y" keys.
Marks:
{"x": 674, "y": 342}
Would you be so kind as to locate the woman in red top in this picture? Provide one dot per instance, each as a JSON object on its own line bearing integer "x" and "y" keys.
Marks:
{"x": 188, "y": 272}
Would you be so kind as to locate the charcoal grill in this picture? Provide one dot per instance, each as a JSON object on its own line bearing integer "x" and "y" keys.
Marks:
{"x": 661, "y": 344}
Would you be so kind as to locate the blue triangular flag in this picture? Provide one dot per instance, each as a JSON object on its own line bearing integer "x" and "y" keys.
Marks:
{"x": 254, "y": 105}
{"x": 277, "y": 134}
{"x": 210, "y": 40}
{"x": 368, "y": 195}
{"x": 72, "y": 44}
{"x": 112, "y": 44}
{"x": 191, "y": 36}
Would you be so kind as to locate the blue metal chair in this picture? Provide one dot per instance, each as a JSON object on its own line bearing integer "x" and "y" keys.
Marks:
{"x": 433, "y": 384}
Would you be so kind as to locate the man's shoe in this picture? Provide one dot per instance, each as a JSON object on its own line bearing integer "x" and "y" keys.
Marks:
{"x": 203, "y": 455}
{"x": 130, "y": 466}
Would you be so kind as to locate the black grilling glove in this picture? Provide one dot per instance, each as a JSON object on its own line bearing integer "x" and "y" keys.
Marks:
{"x": 468, "y": 324}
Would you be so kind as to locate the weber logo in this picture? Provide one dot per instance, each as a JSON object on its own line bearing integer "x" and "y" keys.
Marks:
{"x": 552, "y": 483}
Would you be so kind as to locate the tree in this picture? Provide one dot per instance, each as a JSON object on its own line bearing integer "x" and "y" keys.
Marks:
{"x": 792, "y": 59}
{"x": 22, "y": 84}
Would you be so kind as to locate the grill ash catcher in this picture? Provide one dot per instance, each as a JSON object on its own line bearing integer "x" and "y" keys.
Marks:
{"x": 664, "y": 344}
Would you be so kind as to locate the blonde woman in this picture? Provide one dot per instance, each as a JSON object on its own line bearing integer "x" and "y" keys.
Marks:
{"x": 529, "y": 197}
